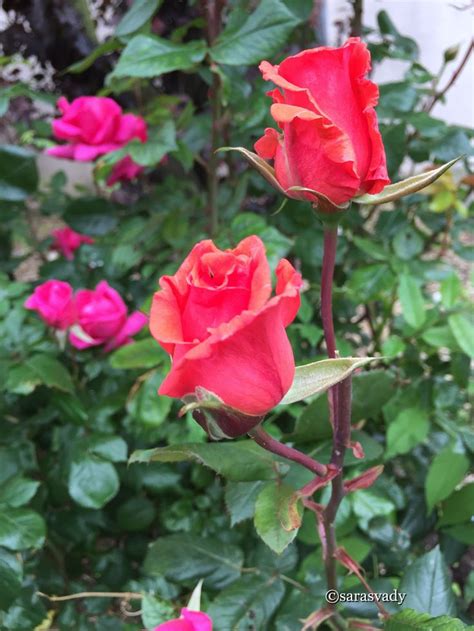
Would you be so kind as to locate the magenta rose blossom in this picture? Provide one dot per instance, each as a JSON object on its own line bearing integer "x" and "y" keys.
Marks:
{"x": 188, "y": 621}
{"x": 54, "y": 302}
{"x": 328, "y": 139}
{"x": 67, "y": 241}
{"x": 102, "y": 319}
{"x": 94, "y": 126}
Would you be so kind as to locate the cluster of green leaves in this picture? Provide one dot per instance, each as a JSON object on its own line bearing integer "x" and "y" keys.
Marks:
{"x": 75, "y": 518}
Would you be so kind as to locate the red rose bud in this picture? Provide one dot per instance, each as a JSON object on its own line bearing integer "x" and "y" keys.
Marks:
{"x": 226, "y": 334}
{"x": 329, "y": 148}
{"x": 364, "y": 480}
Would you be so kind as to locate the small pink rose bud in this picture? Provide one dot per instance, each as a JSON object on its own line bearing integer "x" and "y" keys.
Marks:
{"x": 54, "y": 303}
{"x": 67, "y": 241}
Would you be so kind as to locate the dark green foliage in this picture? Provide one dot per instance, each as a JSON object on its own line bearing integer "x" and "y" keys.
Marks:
{"x": 75, "y": 517}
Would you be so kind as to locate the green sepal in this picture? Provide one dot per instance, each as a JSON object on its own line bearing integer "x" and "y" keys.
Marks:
{"x": 411, "y": 185}
{"x": 311, "y": 379}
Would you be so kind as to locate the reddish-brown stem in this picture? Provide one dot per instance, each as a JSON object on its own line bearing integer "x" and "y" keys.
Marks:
{"x": 327, "y": 275}
{"x": 262, "y": 438}
{"x": 340, "y": 400}
{"x": 212, "y": 10}
{"x": 329, "y": 260}
{"x": 340, "y": 441}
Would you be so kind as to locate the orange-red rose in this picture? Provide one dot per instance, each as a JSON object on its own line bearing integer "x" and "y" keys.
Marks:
{"x": 224, "y": 331}
{"x": 329, "y": 140}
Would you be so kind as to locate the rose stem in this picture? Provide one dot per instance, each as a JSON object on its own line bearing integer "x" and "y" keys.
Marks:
{"x": 340, "y": 406}
{"x": 340, "y": 440}
{"x": 212, "y": 10}
{"x": 329, "y": 259}
{"x": 260, "y": 436}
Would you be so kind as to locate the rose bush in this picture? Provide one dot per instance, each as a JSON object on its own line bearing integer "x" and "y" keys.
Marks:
{"x": 329, "y": 140}
{"x": 103, "y": 491}
{"x": 224, "y": 332}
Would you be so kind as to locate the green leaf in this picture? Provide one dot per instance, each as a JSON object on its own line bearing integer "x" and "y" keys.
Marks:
{"x": 451, "y": 290}
{"x": 17, "y": 491}
{"x": 395, "y": 98}
{"x": 147, "y": 406}
{"x": 393, "y": 346}
{"x": 148, "y": 56}
{"x": 109, "y": 46}
{"x": 369, "y": 503}
{"x": 313, "y": 423}
{"x": 370, "y": 247}
{"x": 444, "y": 474}
{"x": 160, "y": 142}
{"x": 21, "y": 528}
{"x": 261, "y": 35}
{"x": 136, "y": 514}
{"x": 406, "y": 431}
{"x": 407, "y": 243}
{"x": 461, "y": 532}
{"x": 277, "y": 515}
{"x": 22, "y": 380}
{"x": 242, "y": 461}
{"x": 18, "y": 174}
{"x": 440, "y": 336}
{"x": 463, "y": 332}
{"x": 11, "y": 575}
{"x": 427, "y": 585}
{"x": 155, "y": 611}
{"x": 51, "y": 372}
{"x": 412, "y": 302}
{"x": 457, "y": 508}
{"x": 187, "y": 558}
{"x": 240, "y": 498}
{"x": 139, "y": 13}
{"x": 92, "y": 482}
{"x": 370, "y": 391}
{"x": 318, "y": 377}
{"x": 366, "y": 283}
{"x": 111, "y": 448}
{"x": 249, "y": 603}
{"x": 410, "y": 620}
{"x": 411, "y": 185}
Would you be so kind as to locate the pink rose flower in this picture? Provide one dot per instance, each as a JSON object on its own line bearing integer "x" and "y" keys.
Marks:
{"x": 93, "y": 127}
{"x": 54, "y": 302}
{"x": 102, "y": 318}
{"x": 67, "y": 241}
{"x": 188, "y": 621}
{"x": 124, "y": 170}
